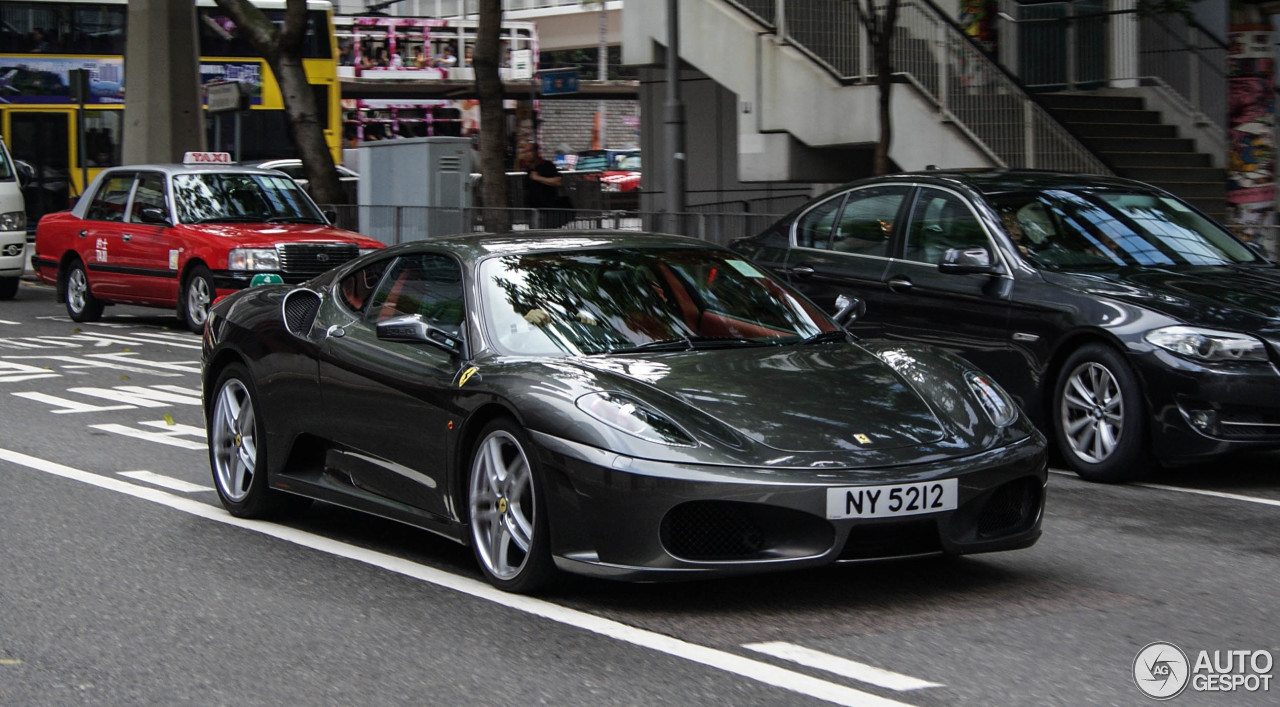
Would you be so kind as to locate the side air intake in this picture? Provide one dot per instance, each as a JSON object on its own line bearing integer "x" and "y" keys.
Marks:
{"x": 300, "y": 308}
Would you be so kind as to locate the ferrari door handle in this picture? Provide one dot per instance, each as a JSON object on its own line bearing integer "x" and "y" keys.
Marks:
{"x": 900, "y": 284}
{"x": 802, "y": 271}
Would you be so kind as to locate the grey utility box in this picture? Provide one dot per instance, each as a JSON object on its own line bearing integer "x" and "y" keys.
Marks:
{"x": 426, "y": 179}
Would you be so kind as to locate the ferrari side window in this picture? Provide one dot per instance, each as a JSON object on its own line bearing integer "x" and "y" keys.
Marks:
{"x": 112, "y": 197}
{"x": 428, "y": 285}
{"x": 356, "y": 287}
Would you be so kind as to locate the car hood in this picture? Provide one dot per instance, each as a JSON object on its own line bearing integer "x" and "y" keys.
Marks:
{"x": 1238, "y": 298}
{"x": 793, "y": 399}
{"x": 269, "y": 234}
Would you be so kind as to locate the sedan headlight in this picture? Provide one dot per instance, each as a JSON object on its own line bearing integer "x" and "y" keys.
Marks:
{"x": 253, "y": 259}
{"x": 628, "y": 415}
{"x": 995, "y": 402}
{"x": 13, "y": 221}
{"x": 1208, "y": 344}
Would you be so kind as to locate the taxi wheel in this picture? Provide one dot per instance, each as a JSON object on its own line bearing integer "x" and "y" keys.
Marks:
{"x": 507, "y": 512}
{"x": 9, "y": 287}
{"x": 198, "y": 293}
{"x": 238, "y": 450}
{"x": 1098, "y": 416}
{"x": 82, "y": 306}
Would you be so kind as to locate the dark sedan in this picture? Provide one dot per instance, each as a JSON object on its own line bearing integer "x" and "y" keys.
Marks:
{"x": 1130, "y": 326}
{"x": 620, "y": 406}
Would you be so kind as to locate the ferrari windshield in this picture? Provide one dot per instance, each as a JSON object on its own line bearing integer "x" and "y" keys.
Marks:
{"x": 637, "y": 299}
{"x": 241, "y": 197}
{"x": 1061, "y": 229}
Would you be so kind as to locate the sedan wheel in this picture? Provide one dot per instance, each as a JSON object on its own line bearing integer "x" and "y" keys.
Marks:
{"x": 508, "y": 520}
{"x": 1099, "y": 416}
{"x": 82, "y": 306}
{"x": 197, "y": 298}
{"x": 237, "y": 450}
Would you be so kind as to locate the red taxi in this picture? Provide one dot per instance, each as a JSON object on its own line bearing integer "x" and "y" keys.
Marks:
{"x": 180, "y": 236}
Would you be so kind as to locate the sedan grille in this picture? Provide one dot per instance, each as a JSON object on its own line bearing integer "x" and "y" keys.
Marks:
{"x": 311, "y": 259}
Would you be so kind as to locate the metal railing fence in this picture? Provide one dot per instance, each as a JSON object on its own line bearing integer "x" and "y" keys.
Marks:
{"x": 401, "y": 224}
{"x": 930, "y": 51}
{"x": 1079, "y": 44}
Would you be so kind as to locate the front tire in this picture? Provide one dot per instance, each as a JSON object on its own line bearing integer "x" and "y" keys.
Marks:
{"x": 82, "y": 306}
{"x": 198, "y": 293}
{"x": 9, "y": 287}
{"x": 238, "y": 450}
{"x": 1098, "y": 416}
{"x": 507, "y": 511}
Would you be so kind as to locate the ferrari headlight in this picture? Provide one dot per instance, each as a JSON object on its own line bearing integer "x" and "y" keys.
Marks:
{"x": 13, "y": 221}
{"x": 1208, "y": 344}
{"x": 995, "y": 402}
{"x": 253, "y": 259}
{"x": 628, "y": 415}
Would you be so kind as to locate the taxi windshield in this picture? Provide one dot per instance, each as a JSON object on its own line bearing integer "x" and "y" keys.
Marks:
{"x": 240, "y": 197}
{"x": 639, "y": 299}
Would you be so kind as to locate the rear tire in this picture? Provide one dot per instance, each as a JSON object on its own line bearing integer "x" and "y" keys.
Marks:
{"x": 82, "y": 306}
{"x": 198, "y": 293}
{"x": 1099, "y": 419}
{"x": 9, "y": 287}
{"x": 238, "y": 450}
{"x": 507, "y": 511}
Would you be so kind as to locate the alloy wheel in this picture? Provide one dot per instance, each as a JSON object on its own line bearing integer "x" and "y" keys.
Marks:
{"x": 1092, "y": 412}
{"x": 77, "y": 290}
{"x": 502, "y": 505}
{"x": 198, "y": 299}
{"x": 235, "y": 444}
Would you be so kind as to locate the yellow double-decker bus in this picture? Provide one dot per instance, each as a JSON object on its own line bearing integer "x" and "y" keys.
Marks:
{"x": 42, "y": 40}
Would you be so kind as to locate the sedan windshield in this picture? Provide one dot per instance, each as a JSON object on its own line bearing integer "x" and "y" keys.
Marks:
{"x": 1060, "y": 229}
{"x": 639, "y": 299}
{"x": 231, "y": 197}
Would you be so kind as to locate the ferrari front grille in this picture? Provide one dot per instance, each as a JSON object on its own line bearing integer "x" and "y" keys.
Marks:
{"x": 1010, "y": 509}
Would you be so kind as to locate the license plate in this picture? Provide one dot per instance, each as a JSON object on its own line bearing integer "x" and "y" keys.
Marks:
{"x": 892, "y": 501}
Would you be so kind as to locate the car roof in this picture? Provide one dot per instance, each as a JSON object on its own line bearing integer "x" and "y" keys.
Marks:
{"x": 999, "y": 181}
{"x": 175, "y": 168}
{"x": 477, "y": 246}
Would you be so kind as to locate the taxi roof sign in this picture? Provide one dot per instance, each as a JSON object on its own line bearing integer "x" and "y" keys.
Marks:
{"x": 206, "y": 158}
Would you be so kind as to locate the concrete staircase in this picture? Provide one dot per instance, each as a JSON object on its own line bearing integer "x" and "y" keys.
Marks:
{"x": 1137, "y": 145}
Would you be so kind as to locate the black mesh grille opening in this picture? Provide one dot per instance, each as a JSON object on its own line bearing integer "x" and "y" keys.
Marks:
{"x": 711, "y": 531}
{"x": 1011, "y": 508}
{"x": 300, "y": 309}
{"x": 309, "y": 259}
{"x": 917, "y": 536}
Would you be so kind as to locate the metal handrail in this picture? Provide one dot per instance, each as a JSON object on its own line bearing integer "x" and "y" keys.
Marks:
{"x": 977, "y": 95}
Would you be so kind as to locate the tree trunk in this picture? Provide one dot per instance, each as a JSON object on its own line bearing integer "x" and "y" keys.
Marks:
{"x": 282, "y": 50}
{"x": 493, "y": 179}
{"x": 880, "y": 27}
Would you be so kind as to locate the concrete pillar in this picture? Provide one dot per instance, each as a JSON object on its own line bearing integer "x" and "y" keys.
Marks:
{"x": 1124, "y": 44}
{"x": 163, "y": 117}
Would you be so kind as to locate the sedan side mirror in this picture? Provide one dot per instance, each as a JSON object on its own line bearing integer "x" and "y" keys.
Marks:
{"x": 155, "y": 215}
{"x": 413, "y": 329}
{"x": 963, "y": 261}
{"x": 330, "y": 215}
{"x": 848, "y": 310}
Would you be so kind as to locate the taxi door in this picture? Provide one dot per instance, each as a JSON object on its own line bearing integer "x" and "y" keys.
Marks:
{"x": 147, "y": 254}
{"x": 101, "y": 236}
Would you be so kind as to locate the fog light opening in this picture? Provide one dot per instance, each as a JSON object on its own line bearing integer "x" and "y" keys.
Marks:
{"x": 1205, "y": 421}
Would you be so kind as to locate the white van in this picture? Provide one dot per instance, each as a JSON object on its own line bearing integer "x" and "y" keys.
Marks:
{"x": 13, "y": 226}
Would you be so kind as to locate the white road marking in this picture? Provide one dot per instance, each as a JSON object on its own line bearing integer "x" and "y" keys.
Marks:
{"x": 11, "y": 372}
{"x": 155, "y": 396}
{"x": 721, "y": 660}
{"x": 6, "y": 321}
{"x": 119, "y": 361}
{"x": 1195, "y": 492}
{"x": 165, "y": 482}
{"x": 843, "y": 667}
{"x": 68, "y": 406}
{"x": 171, "y": 438}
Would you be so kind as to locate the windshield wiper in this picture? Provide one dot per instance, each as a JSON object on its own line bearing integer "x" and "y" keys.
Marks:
{"x": 689, "y": 343}
{"x": 228, "y": 219}
{"x": 824, "y": 337}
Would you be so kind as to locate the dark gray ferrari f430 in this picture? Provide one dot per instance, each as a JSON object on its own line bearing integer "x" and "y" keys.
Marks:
{"x": 619, "y": 405}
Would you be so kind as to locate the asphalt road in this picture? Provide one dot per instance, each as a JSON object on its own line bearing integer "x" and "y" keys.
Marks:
{"x": 122, "y": 581}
